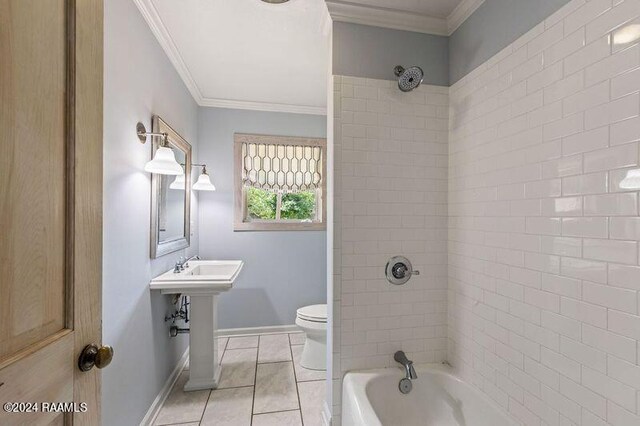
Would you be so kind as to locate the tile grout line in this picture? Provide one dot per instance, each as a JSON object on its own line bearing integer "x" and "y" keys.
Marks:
{"x": 235, "y": 387}
{"x": 279, "y": 411}
{"x": 239, "y": 349}
{"x": 275, "y": 362}
{"x": 204, "y": 410}
{"x": 295, "y": 379}
{"x": 177, "y": 424}
{"x": 211, "y": 391}
{"x": 255, "y": 382}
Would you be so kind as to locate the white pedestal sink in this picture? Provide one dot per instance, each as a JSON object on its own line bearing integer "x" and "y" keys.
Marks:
{"x": 202, "y": 281}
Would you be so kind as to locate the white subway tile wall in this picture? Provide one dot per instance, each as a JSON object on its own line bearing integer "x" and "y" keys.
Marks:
{"x": 544, "y": 276}
{"x": 391, "y": 156}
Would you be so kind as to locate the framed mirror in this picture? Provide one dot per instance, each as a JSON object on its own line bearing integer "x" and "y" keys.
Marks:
{"x": 170, "y": 196}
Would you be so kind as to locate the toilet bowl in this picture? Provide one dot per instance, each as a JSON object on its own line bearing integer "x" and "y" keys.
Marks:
{"x": 313, "y": 321}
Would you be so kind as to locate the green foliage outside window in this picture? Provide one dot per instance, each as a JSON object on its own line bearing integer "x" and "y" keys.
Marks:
{"x": 299, "y": 205}
{"x": 262, "y": 205}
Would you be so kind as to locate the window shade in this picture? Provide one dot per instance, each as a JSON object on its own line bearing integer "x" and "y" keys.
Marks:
{"x": 281, "y": 167}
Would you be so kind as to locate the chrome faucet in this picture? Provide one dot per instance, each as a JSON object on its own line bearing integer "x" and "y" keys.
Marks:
{"x": 186, "y": 263}
{"x": 181, "y": 264}
{"x": 405, "y": 384}
{"x": 401, "y": 358}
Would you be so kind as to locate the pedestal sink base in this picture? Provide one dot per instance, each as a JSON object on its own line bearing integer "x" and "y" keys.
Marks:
{"x": 203, "y": 281}
{"x": 201, "y": 384}
{"x": 204, "y": 370}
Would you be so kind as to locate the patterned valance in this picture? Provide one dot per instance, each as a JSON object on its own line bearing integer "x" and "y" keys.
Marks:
{"x": 281, "y": 167}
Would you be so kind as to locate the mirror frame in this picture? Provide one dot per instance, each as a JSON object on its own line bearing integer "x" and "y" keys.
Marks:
{"x": 159, "y": 248}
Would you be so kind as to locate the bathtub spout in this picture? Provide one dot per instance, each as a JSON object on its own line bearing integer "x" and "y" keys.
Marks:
{"x": 411, "y": 372}
{"x": 401, "y": 358}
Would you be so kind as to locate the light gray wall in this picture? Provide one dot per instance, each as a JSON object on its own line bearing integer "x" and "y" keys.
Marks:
{"x": 491, "y": 28}
{"x": 373, "y": 52}
{"x": 283, "y": 270}
{"x": 139, "y": 81}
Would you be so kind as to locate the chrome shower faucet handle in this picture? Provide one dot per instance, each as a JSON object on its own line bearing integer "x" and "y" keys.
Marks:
{"x": 399, "y": 270}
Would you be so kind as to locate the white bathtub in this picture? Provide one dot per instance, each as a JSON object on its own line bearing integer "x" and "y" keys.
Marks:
{"x": 372, "y": 398}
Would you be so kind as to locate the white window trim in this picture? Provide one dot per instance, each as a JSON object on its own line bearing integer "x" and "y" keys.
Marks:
{"x": 240, "y": 193}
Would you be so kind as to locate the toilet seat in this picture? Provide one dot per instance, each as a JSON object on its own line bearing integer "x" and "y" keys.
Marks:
{"x": 313, "y": 313}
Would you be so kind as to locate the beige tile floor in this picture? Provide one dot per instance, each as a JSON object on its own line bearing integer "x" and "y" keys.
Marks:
{"x": 262, "y": 384}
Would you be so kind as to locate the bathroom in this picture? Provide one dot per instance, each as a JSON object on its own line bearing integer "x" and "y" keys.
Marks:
{"x": 320, "y": 212}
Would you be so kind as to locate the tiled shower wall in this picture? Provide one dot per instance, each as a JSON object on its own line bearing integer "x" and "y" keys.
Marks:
{"x": 543, "y": 311}
{"x": 390, "y": 195}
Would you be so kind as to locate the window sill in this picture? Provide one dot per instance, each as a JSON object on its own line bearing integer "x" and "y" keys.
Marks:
{"x": 274, "y": 226}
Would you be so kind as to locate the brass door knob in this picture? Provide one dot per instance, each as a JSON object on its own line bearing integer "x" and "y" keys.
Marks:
{"x": 92, "y": 355}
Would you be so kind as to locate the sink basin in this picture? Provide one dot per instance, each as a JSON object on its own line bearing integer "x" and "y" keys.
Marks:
{"x": 202, "y": 281}
{"x": 219, "y": 271}
{"x": 202, "y": 275}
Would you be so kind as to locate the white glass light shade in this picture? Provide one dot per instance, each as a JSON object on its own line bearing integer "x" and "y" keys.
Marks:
{"x": 179, "y": 182}
{"x": 204, "y": 183}
{"x": 632, "y": 180}
{"x": 164, "y": 163}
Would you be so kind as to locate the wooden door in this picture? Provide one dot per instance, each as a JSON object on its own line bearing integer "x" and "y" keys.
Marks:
{"x": 50, "y": 207}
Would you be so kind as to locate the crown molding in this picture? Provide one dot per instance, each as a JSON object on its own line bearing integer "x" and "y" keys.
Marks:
{"x": 461, "y": 13}
{"x": 159, "y": 30}
{"x": 151, "y": 15}
{"x": 263, "y": 106}
{"x": 385, "y": 17}
{"x": 399, "y": 19}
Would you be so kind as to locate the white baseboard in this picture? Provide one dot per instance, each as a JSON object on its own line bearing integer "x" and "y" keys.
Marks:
{"x": 154, "y": 410}
{"x": 326, "y": 414}
{"x": 273, "y": 329}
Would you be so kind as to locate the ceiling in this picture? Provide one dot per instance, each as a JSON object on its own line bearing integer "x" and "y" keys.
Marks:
{"x": 247, "y": 54}
{"x": 435, "y": 8}
{"x": 441, "y": 17}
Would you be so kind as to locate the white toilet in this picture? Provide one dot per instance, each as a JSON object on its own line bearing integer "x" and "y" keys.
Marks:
{"x": 313, "y": 321}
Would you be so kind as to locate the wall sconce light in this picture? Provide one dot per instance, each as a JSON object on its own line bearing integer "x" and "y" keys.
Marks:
{"x": 164, "y": 161}
{"x": 179, "y": 182}
{"x": 204, "y": 181}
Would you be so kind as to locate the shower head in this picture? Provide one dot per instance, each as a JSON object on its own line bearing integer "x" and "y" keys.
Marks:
{"x": 408, "y": 79}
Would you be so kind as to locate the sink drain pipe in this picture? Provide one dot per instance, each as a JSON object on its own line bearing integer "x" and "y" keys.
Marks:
{"x": 174, "y": 330}
{"x": 181, "y": 313}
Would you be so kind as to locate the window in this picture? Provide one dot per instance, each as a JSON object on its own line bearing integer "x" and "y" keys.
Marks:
{"x": 279, "y": 183}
